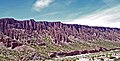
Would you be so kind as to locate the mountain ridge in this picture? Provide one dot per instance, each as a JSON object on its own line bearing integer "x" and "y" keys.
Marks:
{"x": 33, "y": 25}
{"x": 48, "y": 37}
{"x": 20, "y": 20}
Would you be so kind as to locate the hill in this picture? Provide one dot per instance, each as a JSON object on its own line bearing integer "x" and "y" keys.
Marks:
{"x": 31, "y": 40}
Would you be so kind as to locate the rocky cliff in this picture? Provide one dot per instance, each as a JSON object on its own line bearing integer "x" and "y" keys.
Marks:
{"x": 15, "y": 33}
{"x": 59, "y": 31}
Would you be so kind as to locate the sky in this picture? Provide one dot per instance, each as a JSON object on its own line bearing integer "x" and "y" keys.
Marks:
{"x": 85, "y": 12}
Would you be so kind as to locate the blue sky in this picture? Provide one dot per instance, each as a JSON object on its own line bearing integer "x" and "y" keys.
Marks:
{"x": 85, "y": 12}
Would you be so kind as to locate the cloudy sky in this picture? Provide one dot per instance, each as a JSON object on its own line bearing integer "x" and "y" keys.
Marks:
{"x": 86, "y": 12}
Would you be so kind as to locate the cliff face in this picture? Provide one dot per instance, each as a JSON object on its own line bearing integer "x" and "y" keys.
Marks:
{"x": 59, "y": 31}
{"x": 16, "y": 33}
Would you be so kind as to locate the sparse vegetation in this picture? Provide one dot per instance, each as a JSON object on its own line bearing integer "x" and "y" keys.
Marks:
{"x": 102, "y": 56}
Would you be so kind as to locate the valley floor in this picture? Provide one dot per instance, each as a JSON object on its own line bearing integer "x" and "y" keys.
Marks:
{"x": 100, "y": 56}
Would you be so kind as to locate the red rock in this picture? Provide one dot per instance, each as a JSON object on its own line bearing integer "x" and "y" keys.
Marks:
{"x": 59, "y": 32}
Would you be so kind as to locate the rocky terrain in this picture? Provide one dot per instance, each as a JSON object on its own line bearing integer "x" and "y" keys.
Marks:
{"x": 113, "y": 55}
{"x": 31, "y": 40}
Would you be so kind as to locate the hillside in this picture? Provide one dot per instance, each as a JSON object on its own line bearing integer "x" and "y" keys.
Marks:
{"x": 31, "y": 40}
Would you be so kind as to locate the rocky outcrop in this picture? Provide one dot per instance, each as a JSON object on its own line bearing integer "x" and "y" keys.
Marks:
{"x": 62, "y": 54}
{"x": 59, "y": 31}
{"x": 37, "y": 56}
{"x": 15, "y": 34}
{"x": 29, "y": 35}
{"x": 9, "y": 42}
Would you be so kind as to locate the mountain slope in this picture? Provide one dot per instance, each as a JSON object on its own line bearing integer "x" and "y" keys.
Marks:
{"x": 52, "y": 39}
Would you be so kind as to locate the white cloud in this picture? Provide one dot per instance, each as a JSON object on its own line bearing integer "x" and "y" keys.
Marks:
{"x": 108, "y": 18}
{"x": 51, "y": 13}
{"x": 39, "y": 4}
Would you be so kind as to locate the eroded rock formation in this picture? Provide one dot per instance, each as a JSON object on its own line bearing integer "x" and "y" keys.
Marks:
{"x": 14, "y": 33}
